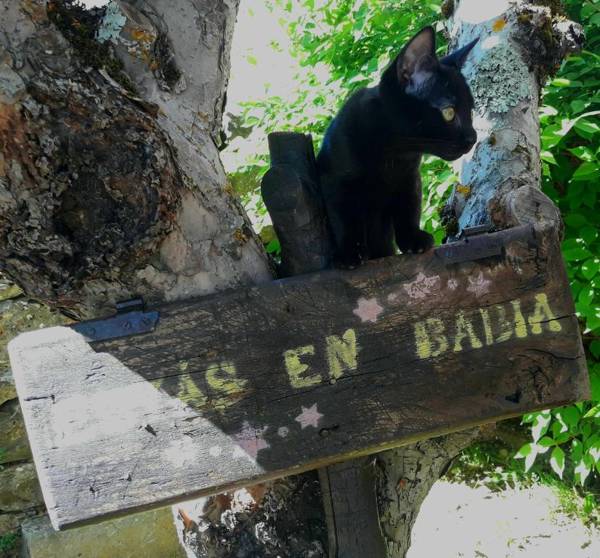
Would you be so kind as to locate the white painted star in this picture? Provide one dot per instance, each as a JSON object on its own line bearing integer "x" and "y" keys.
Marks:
{"x": 421, "y": 286}
{"x": 309, "y": 416}
{"x": 368, "y": 309}
{"x": 479, "y": 285}
{"x": 250, "y": 441}
{"x": 452, "y": 284}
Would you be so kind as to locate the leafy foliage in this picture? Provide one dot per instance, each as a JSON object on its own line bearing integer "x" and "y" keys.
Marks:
{"x": 343, "y": 45}
{"x": 569, "y": 437}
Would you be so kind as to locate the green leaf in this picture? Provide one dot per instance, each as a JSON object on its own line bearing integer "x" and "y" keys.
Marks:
{"x": 546, "y": 442}
{"x": 595, "y": 382}
{"x": 578, "y": 105}
{"x": 586, "y": 296}
{"x": 557, "y": 461}
{"x": 575, "y": 220}
{"x": 569, "y": 415}
{"x": 589, "y": 234}
{"x": 540, "y": 424}
{"x": 593, "y": 412}
{"x": 586, "y": 171}
{"x": 582, "y": 469}
{"x": 529, "y": 453}
{"x": 524, "y": 451}
{"x": 589, "y": 268}
{"x": 548, "y": 157}
{"x": 575, "y": 254}
{"x": 560, "y": 82}
{"x": 587, "y": 128}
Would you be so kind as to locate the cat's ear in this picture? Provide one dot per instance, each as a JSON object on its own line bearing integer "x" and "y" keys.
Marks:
{"x": 458, "y": 57}
{"x": 417, "y": 59}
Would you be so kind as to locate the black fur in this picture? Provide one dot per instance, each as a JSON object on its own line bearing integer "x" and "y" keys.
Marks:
{"x": 369, "y": 161}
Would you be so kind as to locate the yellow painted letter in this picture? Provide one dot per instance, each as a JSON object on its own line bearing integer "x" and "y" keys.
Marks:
{"x": 506, "y": 329}
{"x": 296, "y": 368}
{"x": 190, "y": 393}
{"x": 341, "y": 353}
{"x": 487, "y": 326}
{"x": 223, "y": 379}
{"x": 542, "y": 313}
{"x": 520, "y": 326}
{"x": 430, "y": 333}
{"x": 464, "y": 328}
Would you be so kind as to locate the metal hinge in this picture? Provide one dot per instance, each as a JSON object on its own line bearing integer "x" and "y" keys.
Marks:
{"x": 130, "y": 319}
{"x": 473, "y": 244}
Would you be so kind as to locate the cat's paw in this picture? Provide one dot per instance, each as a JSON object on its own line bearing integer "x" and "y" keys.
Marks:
{"x": 348, "y": 261}
{"x": 416, "y": 243}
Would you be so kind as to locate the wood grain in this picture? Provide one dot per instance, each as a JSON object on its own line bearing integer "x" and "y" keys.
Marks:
{"x": 262, "y": 382}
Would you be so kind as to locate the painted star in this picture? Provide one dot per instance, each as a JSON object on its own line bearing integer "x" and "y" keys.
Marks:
{"x": 250, "y": 441}
{"x": 479, "y": 285}
{"x": 452, "y": 284}
{"x": 368, "y": 309}
{"x": 309, "y": 416}
{"x": 421, "y": 286}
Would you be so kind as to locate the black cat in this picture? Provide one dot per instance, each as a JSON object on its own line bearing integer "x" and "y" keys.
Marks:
{"x": 369, "y": 161}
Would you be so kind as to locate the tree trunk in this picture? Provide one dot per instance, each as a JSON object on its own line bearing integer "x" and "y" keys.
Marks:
{"x": 111, "y": 187}
{"x": 520, "y": 44}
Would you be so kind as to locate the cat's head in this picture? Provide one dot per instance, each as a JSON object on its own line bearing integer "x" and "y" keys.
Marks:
{"x": 438, "y": 96}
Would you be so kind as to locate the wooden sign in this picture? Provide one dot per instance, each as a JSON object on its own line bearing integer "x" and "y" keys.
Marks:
{"x": 271, "y": 380}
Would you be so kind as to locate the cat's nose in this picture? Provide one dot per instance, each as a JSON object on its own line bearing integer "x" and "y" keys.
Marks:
{"x": 470, "y": 137}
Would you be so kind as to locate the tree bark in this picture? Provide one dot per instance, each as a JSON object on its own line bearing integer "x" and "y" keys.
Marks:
{"x": 520, "y": 45}
{"x": 108, "y": 190}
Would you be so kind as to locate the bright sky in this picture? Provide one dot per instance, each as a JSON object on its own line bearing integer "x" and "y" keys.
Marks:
{"x": 257, "y": 70}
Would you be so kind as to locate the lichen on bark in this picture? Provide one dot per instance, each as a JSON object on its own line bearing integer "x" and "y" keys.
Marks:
{"x": 520, "y": 44}
{"x": 501, "y": 81}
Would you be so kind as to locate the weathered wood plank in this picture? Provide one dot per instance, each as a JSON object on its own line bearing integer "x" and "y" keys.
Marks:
{"x": 268, "y": 381}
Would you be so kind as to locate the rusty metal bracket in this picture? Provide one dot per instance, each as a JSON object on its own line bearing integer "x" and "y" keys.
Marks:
{"x": 474, "y": 244}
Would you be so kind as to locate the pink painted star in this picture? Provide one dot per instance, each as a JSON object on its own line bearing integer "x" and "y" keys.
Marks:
{"x": 309, "y": 416}
{"x": 479, "y": 285}
{"x": 368, "y": 309}
{"x": 250, "y": 441}
{"x": 421, "y": 286}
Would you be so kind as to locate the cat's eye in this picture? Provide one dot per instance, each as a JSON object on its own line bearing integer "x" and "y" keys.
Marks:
{"x": 448, "y": 113}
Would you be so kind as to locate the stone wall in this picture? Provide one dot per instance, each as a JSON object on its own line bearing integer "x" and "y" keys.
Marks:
{"x": 20, "y": 495}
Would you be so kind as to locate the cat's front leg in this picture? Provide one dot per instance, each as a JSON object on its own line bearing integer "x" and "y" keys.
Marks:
{"x": 406, "y": 213}
{"x": 414, "y": 241}
{"x": 346, "y": 218}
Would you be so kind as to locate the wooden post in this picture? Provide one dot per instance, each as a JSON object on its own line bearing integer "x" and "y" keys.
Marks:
{"x": 291, "y": 194}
